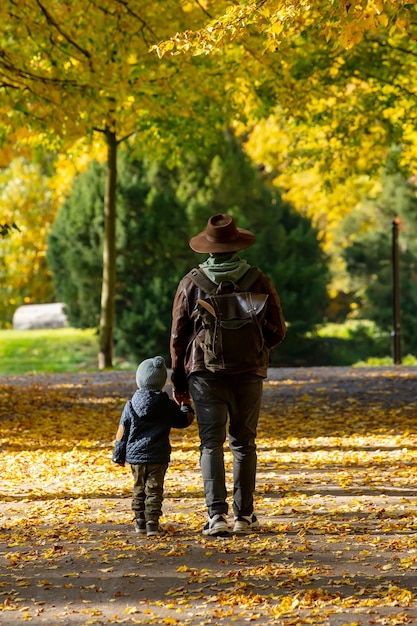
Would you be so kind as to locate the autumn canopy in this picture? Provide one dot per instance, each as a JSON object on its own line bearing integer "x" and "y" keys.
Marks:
{"x": 319, "y": 90}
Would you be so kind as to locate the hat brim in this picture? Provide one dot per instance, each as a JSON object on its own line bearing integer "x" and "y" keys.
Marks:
{"x": 200, "y": 243}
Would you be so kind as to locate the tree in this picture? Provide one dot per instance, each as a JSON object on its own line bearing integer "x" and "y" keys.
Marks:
{"x": 151, "y": 236}
{"x": 24, "y": 274}
{"x": 68, "y": 70}
{"x": 338, "y": 111}
{"x": 72, "y": 74}
{"x": 152, "y": 260}
{"x": 344, "y": 93}
{"x": 369, "y": 255}
{"x": 287, "y": 246}
{"x": 74, "y": 244}
{"x": 339, "y": 81}
{"x": 159, "y": 210}
{"x": 337, "y": 89}
{"x": 274, "y": 21}
{"x": 336, "y": 114}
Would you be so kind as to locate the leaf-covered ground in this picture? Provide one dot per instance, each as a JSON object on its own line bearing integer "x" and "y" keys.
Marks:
{"x": 336, "y": 497}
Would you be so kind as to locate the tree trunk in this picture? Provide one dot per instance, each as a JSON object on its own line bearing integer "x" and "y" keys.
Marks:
{"x": 108, "y": 288}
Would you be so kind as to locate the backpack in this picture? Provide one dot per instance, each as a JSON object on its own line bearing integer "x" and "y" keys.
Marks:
{"x": 229, "y": 324}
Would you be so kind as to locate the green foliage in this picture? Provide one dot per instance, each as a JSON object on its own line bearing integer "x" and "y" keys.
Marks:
{"x": 287, "y": 247}
{"x": 408, "y": 360}
{"x": 369, "y": 259}
{"x": 74, "y": 248}
{"x": 151, "y": 236}
{"x": 334, "y": 345}
{"x": 152, "y": 243}
{"x": 158, "y": 211}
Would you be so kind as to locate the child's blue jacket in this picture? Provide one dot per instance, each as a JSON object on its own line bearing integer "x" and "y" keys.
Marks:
{"x": 147, "y": 420}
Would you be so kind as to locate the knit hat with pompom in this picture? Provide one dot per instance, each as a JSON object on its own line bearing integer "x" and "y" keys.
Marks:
{"x": 152, "y": 374}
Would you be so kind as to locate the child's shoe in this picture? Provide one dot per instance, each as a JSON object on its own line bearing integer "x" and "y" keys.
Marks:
{"x": 152, "y": 528}
{"x": 140, "y": 526}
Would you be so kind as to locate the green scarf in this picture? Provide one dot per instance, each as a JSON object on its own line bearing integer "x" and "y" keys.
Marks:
{"x": 225, "y": 267}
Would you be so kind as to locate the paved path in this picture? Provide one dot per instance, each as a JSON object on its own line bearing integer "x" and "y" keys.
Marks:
{"x": 336, "y": 496}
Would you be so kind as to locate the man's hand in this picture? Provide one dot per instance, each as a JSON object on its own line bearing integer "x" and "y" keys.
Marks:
{"x": 182, "y": 397}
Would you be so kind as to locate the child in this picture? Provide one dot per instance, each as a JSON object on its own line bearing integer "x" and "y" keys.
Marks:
{"x": 142, "y": 440}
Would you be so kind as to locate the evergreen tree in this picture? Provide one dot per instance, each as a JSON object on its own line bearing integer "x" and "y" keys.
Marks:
{"x": 74, "y": 248}
{"x": 151, "y": 260}
{"x": 150, "y": 236}
{"x": 158, "y": 211}
{"x": 369, "y": 258}
{"x": 287, "y": 246}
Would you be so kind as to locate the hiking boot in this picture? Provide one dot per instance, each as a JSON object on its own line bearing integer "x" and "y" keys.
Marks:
{"x": 216, "y": 526}
{"x": 152, "y": 529}
{"x": 245, "y": 524}
{"x": 140, "y": 526}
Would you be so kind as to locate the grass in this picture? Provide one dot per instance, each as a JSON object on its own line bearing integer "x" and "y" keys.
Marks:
{"x": 360, "y": 343}
{"x": 47, "y": 351}
{"x": 348, "y": 329}
{"x": 74, "y": 350}
{"x": 408, "y": 360}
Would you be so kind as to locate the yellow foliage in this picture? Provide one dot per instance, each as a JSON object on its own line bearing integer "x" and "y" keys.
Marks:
{"x": 273, "y": 142}
{"x": 342, "y": 22}
{"x": 335, "y": 451}
{"x": 73, "y": 162}
{"x": 25, "y": 199}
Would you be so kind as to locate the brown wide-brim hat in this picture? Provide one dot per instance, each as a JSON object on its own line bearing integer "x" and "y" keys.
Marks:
{"x": 222, "y": 235}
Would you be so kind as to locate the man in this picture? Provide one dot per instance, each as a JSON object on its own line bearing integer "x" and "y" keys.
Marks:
{"x": 222, "y": 395}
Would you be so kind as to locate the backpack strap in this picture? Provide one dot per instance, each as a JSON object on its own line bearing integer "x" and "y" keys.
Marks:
{"x": 248, "y": 279}
{"x": 203, "y": 281}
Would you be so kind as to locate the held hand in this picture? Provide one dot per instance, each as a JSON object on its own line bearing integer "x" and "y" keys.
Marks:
{"x": 182, "y": 397}
{"x": 189, "y": 411}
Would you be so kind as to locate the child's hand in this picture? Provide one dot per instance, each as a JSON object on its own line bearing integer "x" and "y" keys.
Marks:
{"x": 188, "y": 409}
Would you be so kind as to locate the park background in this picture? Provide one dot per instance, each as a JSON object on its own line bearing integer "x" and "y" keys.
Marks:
{"x": 123, "y": 126}
{"x": 123, "y": 130}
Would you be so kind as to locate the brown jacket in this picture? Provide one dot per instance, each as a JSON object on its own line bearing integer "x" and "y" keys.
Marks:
{"x": 186, "y": 356}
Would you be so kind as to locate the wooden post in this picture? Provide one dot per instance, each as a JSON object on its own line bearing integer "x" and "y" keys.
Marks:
{"x": 396, "y": 305}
